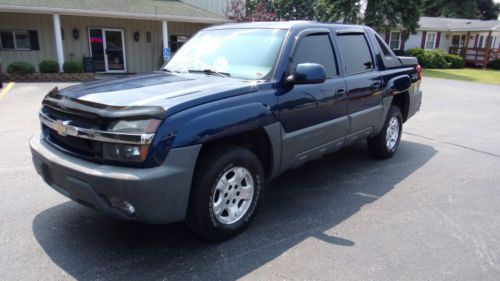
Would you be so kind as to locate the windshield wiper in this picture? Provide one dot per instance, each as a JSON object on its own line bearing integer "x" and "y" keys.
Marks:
{"x": 169, "y": 70}
{"x": 210, "y": 72}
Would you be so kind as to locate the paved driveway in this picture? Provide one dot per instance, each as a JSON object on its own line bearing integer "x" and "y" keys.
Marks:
{"x": 431, "y": 212}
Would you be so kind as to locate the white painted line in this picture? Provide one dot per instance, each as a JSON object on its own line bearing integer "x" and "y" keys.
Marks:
{"x": 6, "y": 89}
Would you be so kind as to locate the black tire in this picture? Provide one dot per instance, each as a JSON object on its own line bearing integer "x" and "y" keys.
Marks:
{"x": 377, "y": 146}
{"x": 213, "y": 164}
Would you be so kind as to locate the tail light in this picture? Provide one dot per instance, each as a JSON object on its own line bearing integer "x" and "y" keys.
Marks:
{"x": 419, "y": 71}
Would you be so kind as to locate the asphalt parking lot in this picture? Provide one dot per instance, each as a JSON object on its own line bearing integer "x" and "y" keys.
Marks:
{"x": 430, "y": 213}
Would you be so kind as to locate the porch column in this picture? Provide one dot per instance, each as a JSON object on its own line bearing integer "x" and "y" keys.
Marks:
{"x": 466, "y": 47}
{"x": 164, "y": 29}
{"x": 487, "y": 52}
{"x": 59, "y": 43}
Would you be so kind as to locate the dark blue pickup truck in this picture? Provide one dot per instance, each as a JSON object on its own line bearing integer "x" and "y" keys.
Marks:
{"x": 238, "y": 105}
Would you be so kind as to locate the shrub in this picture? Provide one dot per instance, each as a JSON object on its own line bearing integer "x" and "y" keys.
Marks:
{"x": 454, "y": 61}
{"x": 49, "y": 66}
{"x": 418, "y": 53}
{"x": 435, "y": 58}
{"x": 72, "y": 67}
{"x": 496, "y": 64}
{"x": 20, "y": 67}
{"x": 415, "y": 52}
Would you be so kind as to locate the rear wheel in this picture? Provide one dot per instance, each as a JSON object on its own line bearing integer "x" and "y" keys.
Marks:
{"x": 385, "y": 144}
{"x": 225, "y": 191}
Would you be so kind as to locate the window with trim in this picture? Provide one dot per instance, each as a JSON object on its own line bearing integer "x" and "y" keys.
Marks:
{"x": 494, "y": 42}
{"x": 430, "y": 40}
{"x": 462, "y": 40}
{"x": 176, "y": 42}
{"x": 395, "y": 40}
{"x": 481, "y": 43}
{"x": 15, "y": 40}
{"x": 356, "y": 53}
{"x": 316, "y": 48}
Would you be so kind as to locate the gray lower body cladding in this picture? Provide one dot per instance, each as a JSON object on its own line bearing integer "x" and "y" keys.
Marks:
{"x": 415, "y": 103}
{"x": 158, "y": 195}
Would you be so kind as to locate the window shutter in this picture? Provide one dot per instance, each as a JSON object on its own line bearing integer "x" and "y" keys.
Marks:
{"x": 438, "y": 38}
{"x": 424, "y": 34}
{"x": 34, "y": 40}
{"x": 387, "y": 37}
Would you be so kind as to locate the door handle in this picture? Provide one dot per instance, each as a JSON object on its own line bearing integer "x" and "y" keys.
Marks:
{"x": 339, "y": 93}
{"x": 376, "y": 85}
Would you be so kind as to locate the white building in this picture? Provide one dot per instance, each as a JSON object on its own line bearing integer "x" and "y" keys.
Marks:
{"x": 118, "y": 35}
{"x": 476, "y": 40}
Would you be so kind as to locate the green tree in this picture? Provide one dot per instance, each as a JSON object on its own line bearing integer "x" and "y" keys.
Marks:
{"x": 346, "y": 11}
{"x": 295, "y": 9}
{"x": 469, "y": 9}
{"x": 383, "y": 15}
{"x": 379, "y": 14}
{"x": 450, "y": 8}
{"x": 251, "y": 10}
{"x": 487, "y": 9}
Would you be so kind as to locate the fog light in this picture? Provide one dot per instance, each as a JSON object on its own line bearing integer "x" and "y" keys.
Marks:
{"x": 124, "y": 152}
{"x": 122, "y": 205}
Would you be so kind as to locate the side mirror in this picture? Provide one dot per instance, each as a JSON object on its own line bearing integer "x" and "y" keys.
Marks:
{"x": 308, "y": 73}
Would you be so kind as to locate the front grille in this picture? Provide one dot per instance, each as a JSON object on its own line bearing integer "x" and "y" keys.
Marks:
{"x": 83, "y": 148}
{"x": 79, "y": 146}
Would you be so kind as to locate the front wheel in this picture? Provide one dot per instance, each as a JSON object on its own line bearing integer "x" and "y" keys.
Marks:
{"x": 225, "y": 191}
{"x": 385, "y": 144}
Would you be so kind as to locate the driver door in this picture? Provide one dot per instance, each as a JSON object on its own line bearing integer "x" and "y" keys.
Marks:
{"x": 313, "y": 116}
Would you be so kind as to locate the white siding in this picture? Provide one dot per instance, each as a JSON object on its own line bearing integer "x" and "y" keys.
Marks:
{"x": 214, "y": 6}
{"x": 42, "y": 24}
{"x": 141, "y": 56}
{"x": 414, "y": 41}
{"x": 445, "y": 41}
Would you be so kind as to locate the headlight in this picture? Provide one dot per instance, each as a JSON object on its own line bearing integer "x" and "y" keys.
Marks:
{"x": 134, "y": 126}
{"x": 126, "y": 152}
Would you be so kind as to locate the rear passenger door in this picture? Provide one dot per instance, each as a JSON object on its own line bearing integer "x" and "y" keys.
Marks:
{"x": 315, "y": 114}
{"x": 364, "y": 84}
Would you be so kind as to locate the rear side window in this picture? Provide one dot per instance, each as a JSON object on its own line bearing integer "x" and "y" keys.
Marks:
{"x": 389, "y": 60}
{"x": 383, "y": 47}
{"x": 356, "y": 53}
{"x": 316, "y": 48}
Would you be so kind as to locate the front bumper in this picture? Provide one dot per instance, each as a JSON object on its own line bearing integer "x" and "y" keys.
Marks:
{"x": 158, "y": 195}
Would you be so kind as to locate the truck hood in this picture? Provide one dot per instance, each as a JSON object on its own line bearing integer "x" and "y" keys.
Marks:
{"x": 160, "y": 90}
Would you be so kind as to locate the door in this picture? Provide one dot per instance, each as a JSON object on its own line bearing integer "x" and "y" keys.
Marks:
{"x": 313, "y": 115}
{"x": 455, "y": 41}
{"x": 107, "y": 48}
{"x": 364, "y": 84}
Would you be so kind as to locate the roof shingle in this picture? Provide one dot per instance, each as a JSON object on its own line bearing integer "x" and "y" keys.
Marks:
{"x": 451, "y": 24}
{"x": 161, "y": 9}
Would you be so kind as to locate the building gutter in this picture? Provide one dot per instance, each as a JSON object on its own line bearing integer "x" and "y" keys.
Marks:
{"x": 109, "y": 14}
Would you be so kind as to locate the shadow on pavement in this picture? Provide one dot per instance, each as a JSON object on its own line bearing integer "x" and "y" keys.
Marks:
{"x": 303, "y": 203}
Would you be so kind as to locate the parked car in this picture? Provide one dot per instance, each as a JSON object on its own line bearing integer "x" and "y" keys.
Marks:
{"x": 238, "y": 105}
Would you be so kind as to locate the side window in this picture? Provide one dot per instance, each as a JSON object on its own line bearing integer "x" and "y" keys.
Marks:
{"x": 356, "y": 53}
{"x": 383, "y": 47}
{"x": 316, "y": 49}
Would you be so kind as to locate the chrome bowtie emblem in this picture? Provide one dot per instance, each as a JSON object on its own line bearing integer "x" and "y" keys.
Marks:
{"x": 61, "y": 128}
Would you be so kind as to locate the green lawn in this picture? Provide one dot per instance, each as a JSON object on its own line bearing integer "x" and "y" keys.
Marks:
{"x": 465, "y": 74}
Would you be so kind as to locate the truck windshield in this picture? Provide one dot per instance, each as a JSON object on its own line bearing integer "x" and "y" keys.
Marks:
{"x": 240, "y": 53}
